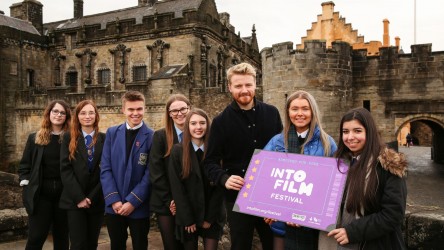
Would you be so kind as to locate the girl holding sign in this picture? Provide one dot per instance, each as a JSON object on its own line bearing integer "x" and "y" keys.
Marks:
{"x": 375, "y": 194}
{"x": 303, "y": 134}
{"x": 199, "y": 204}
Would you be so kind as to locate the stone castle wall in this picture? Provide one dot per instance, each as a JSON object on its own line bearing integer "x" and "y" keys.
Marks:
{"x": 17, "y": 61}
{"x": 324, "y": 73}
{"x": 393, "y": 86}
{"x": 28, "y": 119}
{"x": 398, "y": 85}
{"x": 194, "y": 41}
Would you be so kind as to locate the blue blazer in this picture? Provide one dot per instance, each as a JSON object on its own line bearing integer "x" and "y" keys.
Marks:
{"x": 126, "y": 181}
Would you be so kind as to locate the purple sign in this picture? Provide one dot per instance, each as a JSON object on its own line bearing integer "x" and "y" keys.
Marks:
{"x": 302, "y": 189}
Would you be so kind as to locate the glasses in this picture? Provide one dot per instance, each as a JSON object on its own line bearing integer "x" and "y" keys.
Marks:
{"x": 87, "y": 113}
{"x": 57, "y": 112}
{"x": 183, "y": 111}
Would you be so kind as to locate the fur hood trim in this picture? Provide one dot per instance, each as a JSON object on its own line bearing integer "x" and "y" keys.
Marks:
{"x": 393, "y": 162}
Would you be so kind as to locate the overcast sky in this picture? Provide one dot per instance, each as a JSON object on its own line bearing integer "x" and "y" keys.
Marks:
{"x": 287, "y": 20}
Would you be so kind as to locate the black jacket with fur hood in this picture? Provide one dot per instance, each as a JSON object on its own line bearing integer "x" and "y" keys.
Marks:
{"x": 382, "y": 229}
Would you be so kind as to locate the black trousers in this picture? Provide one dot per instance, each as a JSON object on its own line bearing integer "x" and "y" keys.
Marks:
{"x": 84, "y": 228}
{"x": 47, "y": 213}
{"x": 242, "y": 228}
{"x": 117, "y": 229}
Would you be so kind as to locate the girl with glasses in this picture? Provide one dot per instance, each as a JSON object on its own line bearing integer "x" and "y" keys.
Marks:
{"x": 176, "y": 108}
{"x": 39, "y": 174}
{"x": 82, "y": 196}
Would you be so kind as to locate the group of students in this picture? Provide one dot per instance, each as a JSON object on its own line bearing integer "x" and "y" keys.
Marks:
{"x": 189, "y": 173}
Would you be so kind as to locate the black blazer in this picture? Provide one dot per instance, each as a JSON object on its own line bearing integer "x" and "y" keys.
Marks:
{"x": 77, "y": 181}
{"x": 189, "y": 194}
{"x": 161, "y": 192}
{"x": 29, "y": 169}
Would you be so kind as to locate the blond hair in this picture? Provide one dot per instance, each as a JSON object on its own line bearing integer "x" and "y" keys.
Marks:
{"x": 241, "y": 69}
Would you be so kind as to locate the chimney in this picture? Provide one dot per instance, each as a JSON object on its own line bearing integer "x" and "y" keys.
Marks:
{"x": 146, "y": 2}
{"x": 398, "y": 42}
{"x": 78, "y": 9}
{"x": 151, "y": 2}
{"x": 386, "y": 36}
{"x": 29, "y": 10}
{"x": 327, "y": 10}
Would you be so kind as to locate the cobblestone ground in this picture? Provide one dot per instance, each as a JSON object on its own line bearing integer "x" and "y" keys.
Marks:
{"x": 425, "y": 181}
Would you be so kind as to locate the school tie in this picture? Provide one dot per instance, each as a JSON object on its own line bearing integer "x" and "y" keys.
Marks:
{"x": 90, "y": 151}
{"x": 301, "y": 140}
{"x": 353, "y": 160}
{"x": 180, "y": 137}
{"x": 199, "y": 154}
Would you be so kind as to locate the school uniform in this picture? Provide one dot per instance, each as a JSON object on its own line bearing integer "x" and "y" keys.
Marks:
{"x": 196, "y": 199}
{"x": 161, "y": 193}
{"x": 82, "y": 180}
{"x": 39, "y": 174}
{"x": 125, "y": 178}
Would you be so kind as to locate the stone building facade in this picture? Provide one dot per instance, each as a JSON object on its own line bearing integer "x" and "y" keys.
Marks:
{"x": 157, "y": 47}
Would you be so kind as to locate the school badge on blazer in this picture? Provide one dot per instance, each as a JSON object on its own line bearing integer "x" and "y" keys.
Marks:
{"x": 143, "y": 157}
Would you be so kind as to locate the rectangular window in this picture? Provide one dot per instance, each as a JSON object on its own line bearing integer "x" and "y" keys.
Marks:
{"x": 13, "y": 69}
{"x": 139, "y": 73}
{"x": 71, "y": 81}
{"x": 212, "y": 78}
{"x": 104, "y": 76}
{"x": 366, "y": 104}
{"x": 70, "y": 41}
{"x": 30, "y": 78}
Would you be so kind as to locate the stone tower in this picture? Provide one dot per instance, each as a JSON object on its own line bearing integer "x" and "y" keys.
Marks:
{"x": 29, "y": 10}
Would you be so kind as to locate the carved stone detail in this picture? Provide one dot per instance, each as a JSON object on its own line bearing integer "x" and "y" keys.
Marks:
{"x": 157, "y": 54}
{"x": 89, "y": 55}
{"x": 204, "y": 50}
{"x": 121, "y": 50}
{"x": 57, "y": 57}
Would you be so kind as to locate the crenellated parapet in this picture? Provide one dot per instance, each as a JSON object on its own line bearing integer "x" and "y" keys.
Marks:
{"x": 324, "y": 72}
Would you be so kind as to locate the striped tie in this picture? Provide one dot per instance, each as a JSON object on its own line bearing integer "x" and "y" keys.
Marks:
{"x": 90, "y": 150}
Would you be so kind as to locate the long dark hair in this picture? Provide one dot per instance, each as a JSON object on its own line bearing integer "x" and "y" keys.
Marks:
{"x": 76, "y": 127}
{"x": 188, "y": 149}
{"x": 361, "y": 190}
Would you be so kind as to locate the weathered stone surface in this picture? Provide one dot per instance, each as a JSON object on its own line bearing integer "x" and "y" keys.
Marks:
{"x": 425, "y": 231}
{"x": 68, "y": 62}
{"x": 13, "y": 224}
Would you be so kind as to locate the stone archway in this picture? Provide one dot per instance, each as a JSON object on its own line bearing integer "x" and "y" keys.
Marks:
{"x": 436, "y": 125}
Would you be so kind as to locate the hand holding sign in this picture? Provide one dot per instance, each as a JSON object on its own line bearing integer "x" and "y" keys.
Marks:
{"x": 235, "y": 182}
{"x": 299, "y": 189}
